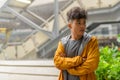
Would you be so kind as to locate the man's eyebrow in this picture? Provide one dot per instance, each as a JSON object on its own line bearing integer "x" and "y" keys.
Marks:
{"x": 78, "y": 20}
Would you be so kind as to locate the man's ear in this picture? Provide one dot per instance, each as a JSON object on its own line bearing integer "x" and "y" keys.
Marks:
{"x": 69, "y": 25}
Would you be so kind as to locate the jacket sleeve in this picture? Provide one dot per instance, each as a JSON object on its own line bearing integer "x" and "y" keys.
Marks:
{"x": 64, "y": 63}
{"x": 91, "y": 63}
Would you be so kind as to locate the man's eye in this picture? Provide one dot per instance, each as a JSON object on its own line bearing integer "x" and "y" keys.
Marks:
{"x": 78, "y": 22}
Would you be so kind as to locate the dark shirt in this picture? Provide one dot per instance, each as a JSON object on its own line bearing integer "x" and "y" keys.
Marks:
{"x": 72, "y": 48}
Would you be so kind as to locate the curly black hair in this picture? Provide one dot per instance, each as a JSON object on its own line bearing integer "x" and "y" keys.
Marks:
{"x": 76, "y": 13}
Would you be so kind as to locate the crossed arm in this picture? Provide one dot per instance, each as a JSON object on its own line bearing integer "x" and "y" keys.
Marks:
{"x": 64, "y": 63}
{"x": 75, "y": 65}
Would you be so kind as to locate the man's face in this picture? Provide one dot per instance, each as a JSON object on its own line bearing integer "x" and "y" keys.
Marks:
{"x": 78, "y": 26}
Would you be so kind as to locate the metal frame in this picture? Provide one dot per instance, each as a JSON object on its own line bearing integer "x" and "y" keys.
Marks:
{"x": 3, "y": 4}
{"x": 56, "y": 21}
{"x": 38, "y": 17}
{"x": 30, "y": 23}
{"x": 65, "y": 20}
{"x": 29, "y": 36}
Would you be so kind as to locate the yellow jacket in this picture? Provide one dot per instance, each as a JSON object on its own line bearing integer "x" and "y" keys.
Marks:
{"x": 75, "y": 65}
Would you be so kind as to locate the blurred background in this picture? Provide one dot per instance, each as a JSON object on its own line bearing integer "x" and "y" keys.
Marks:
{"x": 30, "y": 31}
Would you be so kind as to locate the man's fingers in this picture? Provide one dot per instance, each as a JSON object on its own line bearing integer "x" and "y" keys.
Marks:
{"x": 62, "y": 55}
{"x": 84, "y": 59}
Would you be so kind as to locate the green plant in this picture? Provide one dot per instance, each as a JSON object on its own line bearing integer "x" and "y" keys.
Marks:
{"x": 109, "y": 65}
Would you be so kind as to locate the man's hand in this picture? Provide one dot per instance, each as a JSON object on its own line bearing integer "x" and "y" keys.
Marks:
{"x": 63, "y": 55}
{"x": 83, "y": 60}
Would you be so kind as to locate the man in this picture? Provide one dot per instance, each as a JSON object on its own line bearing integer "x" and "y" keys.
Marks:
{"x": 77, "y": 55}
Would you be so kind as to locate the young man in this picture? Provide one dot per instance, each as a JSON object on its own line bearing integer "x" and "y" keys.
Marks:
{"x": 77, "y": 55}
